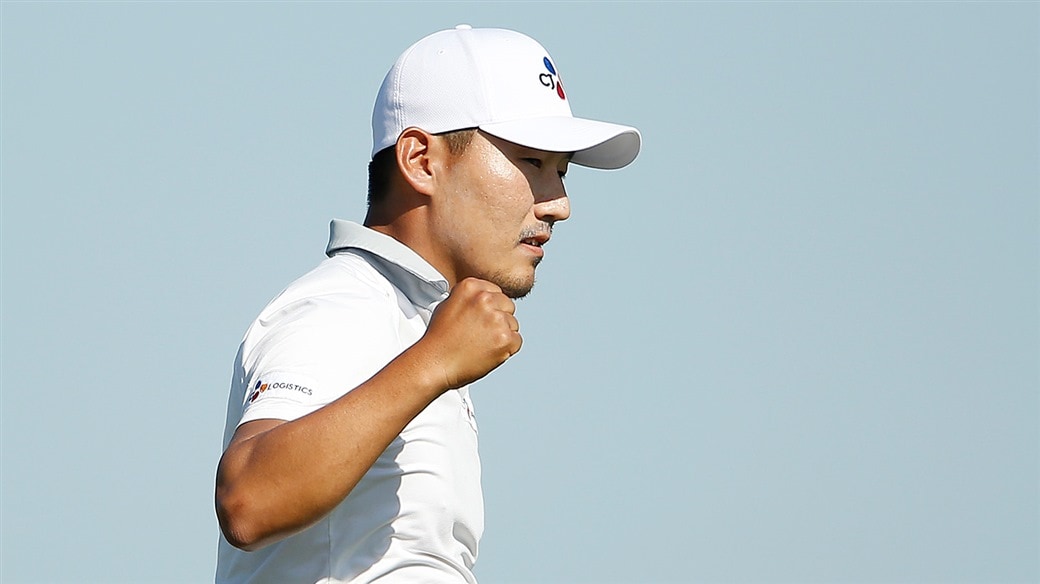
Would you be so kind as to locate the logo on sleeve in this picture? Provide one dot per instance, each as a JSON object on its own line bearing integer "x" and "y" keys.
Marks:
{"x": 259, "y": 388}
{"x": 552, "y": 79}
{"x": 262, "y": 387}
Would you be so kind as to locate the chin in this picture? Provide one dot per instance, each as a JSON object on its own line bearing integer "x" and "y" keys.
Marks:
{"x": 512, "y": 285}
{"x": 518, "y": 292}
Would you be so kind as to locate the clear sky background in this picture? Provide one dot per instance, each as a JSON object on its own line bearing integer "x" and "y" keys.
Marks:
{"x": 796, "y": 341}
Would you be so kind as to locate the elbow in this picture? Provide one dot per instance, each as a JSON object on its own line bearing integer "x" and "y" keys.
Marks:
{"x": 237, "y": 521}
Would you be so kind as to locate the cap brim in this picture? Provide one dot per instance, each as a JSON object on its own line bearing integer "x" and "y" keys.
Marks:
{"x": 595, "y": 144}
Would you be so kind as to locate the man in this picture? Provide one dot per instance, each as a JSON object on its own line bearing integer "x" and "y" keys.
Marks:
{"x": 351, "y": 444}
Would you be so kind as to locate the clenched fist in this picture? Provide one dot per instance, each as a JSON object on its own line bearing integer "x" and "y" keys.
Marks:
{"x": 472, "y": 332}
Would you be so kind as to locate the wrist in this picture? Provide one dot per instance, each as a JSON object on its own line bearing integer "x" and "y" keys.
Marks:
{"x": 427, "y": 371}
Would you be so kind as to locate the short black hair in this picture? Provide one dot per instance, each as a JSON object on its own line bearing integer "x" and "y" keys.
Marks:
{"x": 384, "y": 164}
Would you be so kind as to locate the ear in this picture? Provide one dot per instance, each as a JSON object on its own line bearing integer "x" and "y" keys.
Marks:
{"x": 419, "y": 154}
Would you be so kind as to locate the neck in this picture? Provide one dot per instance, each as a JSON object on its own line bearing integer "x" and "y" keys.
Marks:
{"x": 410, "y": 227}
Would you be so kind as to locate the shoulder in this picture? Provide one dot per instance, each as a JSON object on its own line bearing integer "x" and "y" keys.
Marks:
{"x": 330, "y": 322}
{"x": 326, "y": 333}
{"x": 342, "y": 282}
{"x": 347, "y": 275}
{"x": 342, "y": 301}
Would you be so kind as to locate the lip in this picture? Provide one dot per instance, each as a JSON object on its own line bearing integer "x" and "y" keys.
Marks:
{"x": 541, "y": 238}
{"x": 534, "y": 243}
{"x": 533, "y": 249}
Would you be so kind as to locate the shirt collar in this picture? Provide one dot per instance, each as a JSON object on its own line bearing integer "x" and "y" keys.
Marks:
{"x": 408, "y": 271}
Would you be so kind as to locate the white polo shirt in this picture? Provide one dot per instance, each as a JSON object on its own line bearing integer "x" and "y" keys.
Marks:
{"x": 418, "y": 513}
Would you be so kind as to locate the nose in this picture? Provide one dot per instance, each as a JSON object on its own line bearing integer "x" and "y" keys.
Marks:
{"x": 556, "y": 207}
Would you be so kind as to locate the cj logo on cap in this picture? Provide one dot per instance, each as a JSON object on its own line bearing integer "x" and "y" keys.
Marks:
{"x": 552, "y": 79}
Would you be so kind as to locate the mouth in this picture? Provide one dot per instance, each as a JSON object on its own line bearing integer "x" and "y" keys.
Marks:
{"x": 537, "y": 240}
{"x": 534, "y": 237}
{"x": 533, "y": 244}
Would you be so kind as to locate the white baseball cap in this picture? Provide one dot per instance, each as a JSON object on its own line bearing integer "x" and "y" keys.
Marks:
{"x": 500, "y": 81}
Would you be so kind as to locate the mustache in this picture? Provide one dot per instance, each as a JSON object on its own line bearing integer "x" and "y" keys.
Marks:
{"x": 540, "y": 228}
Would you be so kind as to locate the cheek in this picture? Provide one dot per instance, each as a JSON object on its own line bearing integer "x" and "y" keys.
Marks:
{"x": 498, "y": 168}
{"x": 491, "y": 204}
{"x": 508, "y": 198}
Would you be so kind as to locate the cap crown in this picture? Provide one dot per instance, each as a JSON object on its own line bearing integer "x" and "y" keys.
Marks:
{"x": 464, "y": 78}
{"x": 500, "y": 81}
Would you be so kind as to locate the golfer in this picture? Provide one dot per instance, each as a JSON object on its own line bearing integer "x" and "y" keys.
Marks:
{"x": 350, "y": 450}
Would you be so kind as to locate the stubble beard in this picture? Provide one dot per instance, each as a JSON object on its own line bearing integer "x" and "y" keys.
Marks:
{"x": 513, "y": 286}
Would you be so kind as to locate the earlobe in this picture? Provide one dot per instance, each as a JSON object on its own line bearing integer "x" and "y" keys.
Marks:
{"x": 414, "y": 159}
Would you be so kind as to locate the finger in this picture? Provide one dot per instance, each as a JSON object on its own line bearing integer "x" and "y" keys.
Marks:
{"x": 502, "y": 302}
{"x": 508, "y": 307}
{"x": 518, "y": 342}
{"x": 495, "y": 301}
{"x": 479, "y": 285}
{"x": 514, "y": 324}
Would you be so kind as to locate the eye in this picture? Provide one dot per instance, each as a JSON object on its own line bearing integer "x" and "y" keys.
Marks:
{"x": 535, "y": 162}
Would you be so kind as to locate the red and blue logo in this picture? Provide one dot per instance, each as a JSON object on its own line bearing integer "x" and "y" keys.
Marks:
{"x": 259, "y": 388}
{"x": 552, "y": 78}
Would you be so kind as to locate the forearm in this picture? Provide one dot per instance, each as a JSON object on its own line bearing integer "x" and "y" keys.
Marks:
{"x": 269, "y": 485}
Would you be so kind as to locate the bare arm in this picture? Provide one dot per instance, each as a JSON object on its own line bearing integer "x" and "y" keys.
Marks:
{"x": 277, "y": 478}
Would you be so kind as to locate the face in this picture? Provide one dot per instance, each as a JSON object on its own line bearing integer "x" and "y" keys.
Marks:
{"x": 500, "y": 201}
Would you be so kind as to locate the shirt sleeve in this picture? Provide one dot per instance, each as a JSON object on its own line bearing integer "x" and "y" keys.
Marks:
{"x": 314, "y": 350}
